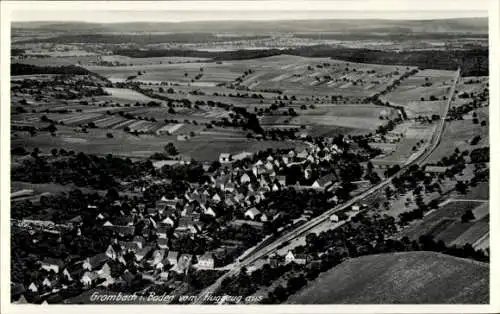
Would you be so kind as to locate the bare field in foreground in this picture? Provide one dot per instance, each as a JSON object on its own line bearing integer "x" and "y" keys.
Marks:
{"x": 400, "y": 278}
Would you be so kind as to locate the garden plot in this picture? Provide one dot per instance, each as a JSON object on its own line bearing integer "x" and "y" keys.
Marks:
{"x": 281, "y": 77}
{"x": 143, "y": 126}
{"x": 482, "y": 211}
{"x": 170, "y": 128}
{"x": 445, "y": 218}
{"x": 109, "y": 122}
{"x": 476, "y": 232}
{"x": 80, "y": 118}
{"x": 126, "y": 95}
{"x": 122, "y": 125}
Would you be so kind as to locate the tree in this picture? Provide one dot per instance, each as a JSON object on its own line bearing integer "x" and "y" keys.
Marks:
{"x": 52, "y": 128}
{"x": 468, "y": 216}
{"x": 112, "y": 194}
{"x": 170, "y": 149}
{"x": 54, "y": 152}
{"x": 19, "y": 151}
{"x": 214, "y": 166}
{"x": 461, "y": 187}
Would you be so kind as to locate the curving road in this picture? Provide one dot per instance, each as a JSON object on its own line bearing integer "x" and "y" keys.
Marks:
{"x": 261, "y": 252}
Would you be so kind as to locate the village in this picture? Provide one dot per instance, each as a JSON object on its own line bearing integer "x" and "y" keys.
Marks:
{"x": 157, "y": 252}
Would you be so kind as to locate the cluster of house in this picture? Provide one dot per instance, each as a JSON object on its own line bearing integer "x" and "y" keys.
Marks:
{"x": 94, "y": 271}
{"x": 241, "y": 187}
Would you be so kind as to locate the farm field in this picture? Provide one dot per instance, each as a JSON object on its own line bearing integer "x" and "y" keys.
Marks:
{"x": 386, "y": 278}
{"x": 149, "y": 61}
{"x": 213, "y": 73}
{"x": 58, "y": 60}
{"x": 125, "y": 95}
{"x": 479, "y": 192}
{"x": 457, "y": 134}
{"x": 415, "y": 96}
{"x": 294, "y": 75}
{"x": 445, "y": 223}
{"x": 401, "y": 152}
{"x": 54, "y": 188}
{"x": 206, "y": 147}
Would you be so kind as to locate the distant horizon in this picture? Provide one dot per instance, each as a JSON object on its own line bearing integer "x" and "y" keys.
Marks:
{"x": 248, "y": 20}
{"x": 211, "y": 15}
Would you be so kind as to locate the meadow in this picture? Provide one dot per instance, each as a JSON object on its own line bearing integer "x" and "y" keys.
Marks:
{"x": 385, "y": 278}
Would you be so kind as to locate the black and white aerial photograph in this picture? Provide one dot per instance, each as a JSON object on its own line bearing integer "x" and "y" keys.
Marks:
{"x": 263, "y": 153}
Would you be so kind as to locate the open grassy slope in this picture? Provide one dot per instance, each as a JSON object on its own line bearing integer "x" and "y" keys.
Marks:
{"x": 408, "y": 278}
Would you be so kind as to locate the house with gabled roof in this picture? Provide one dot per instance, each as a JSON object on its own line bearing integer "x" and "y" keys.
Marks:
{"x": 161, "y": 232}
{"x": 162, "y": 243}
{"x": 229, "y": 187}
{"x": 21, "y": 300}
{"x": 183, "y": 263}
{"x": 302, "y": 155}
{"x": 300, "y": 259}
{"x": 206, "y": 261}
{"x": 172, "y": 257}
{"x": 252, "y": 213}
{"x": 52, "y": 264}
{"x": 263, "y": 218}
{"x": 32, "y": 287}
{"x": 281, "y": 180}
{"x": 210, "y": 212}
{"x": 168, "y": 221}
{"x": 157, "y": 257}
{"x": 216, "y": 198}
{"x": 245, "y": 178}
{"x": 124, "y": 230}
{"x": 141, "y": 253}
{"x": 140, "y": 241}
{"x": 96, "y": 261}
{"x": 89, "y": 278}
{"x": 46, "y": 282}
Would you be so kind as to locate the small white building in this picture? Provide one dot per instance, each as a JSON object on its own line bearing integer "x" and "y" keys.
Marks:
{"x": 32, "y": 287}
{"x": 334, "y": 218}
{"x": 252, "y": 213}
{"x": 52, "y": 264}
{"x": 245, "y": 178}
{"x": 225, "y": 158}
{"x": 206, "y": 261}
{"x": 88, "y": 278}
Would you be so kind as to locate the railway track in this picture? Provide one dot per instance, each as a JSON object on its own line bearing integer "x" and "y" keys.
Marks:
{"x": 301, "y": 230}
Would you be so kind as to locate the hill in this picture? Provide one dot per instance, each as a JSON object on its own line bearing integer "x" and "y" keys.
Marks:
{"x": 458, "y": 25}
{"x": 400, "y": 278}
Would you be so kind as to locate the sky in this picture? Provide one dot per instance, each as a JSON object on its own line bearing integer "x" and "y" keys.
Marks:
{"x": 185, "y": 11}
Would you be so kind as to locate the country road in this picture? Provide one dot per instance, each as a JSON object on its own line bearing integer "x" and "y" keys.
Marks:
{"x": 301, "y": 230}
